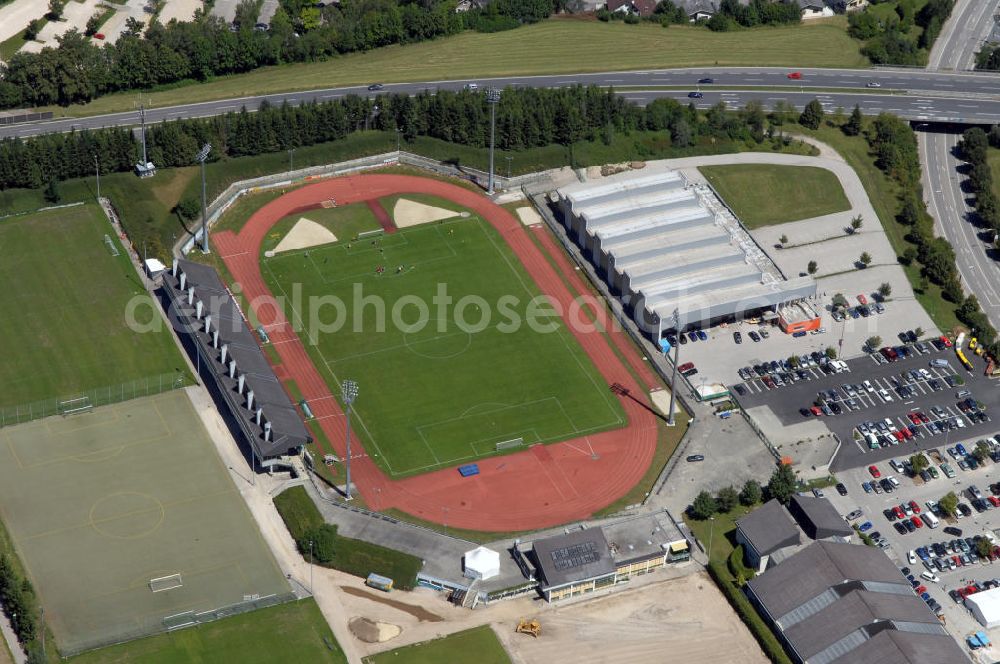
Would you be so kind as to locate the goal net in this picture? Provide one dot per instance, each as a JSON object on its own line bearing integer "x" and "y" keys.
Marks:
{"x": 162, "y": 583}
{"x": 374, "y": 233}
{"x": 75, "y": 406}
{"x": 111, "y": 245}
{"x": 508, "y": 444}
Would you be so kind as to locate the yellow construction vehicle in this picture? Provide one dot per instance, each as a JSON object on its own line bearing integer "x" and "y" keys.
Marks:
{"x": 532, "y": 627}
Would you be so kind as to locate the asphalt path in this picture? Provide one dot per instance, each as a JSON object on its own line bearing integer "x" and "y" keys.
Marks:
{"x": 919, "y": 95}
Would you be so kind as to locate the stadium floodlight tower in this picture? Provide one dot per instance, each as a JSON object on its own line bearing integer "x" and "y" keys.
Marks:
{"x": 201, "y": 157}
{"x": 677, "y": 353}
{"x": 492, "y": 98}
{"x": 350, "y": 391}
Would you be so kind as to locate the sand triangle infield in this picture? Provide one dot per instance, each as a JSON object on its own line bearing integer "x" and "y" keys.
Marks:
{"x": 304, "y": 234}
{"x": 411, "y": 213}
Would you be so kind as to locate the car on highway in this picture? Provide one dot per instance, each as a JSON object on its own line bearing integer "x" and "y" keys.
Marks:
{"x": 471, "y": 86}
{"x": 795, "y": 75}
{"x": 706, "y": 81}
{"x": 695, "y": 95}
{"x": 375, "y": 87}
{"x": 873, "y": 84}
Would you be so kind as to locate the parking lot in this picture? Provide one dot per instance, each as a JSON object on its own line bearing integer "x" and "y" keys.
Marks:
{"x": 877, "y": 408}
{"x": 957, "y": 574}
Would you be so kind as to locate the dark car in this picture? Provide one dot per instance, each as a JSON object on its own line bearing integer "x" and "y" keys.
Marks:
{"x": 841, "y": 489}
{"x": 375, "y": 87}
{"x": 695, "y": 95}
{"x": 754, "y": 336}
{"x": 900, "y": 528}
{"x": 706, "y": 81}
{"x": 696, "y": 457}
{"x": 693, "y": 336}
{"x": 737, "y": 337}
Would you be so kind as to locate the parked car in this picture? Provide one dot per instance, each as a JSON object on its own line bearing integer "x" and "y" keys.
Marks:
{"x": 753, "y": 336}
{"x": 737, "y": 337}
{"x": 841, "y": 489}
{"x": 875, "y": 472}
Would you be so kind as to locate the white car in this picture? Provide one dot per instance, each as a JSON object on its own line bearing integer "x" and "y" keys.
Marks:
{"x": 868, "y": 386}
{"x": 884, "y": 395}
{"x": 926, "y": 374}
{"x": 873, "y": 84}
{"x": 929, "y": 576}
{"x": 912, "y": 557}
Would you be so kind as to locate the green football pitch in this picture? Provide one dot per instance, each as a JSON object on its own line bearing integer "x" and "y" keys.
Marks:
{"x": 440, "y": 393}
{"x": 64, "y": 299}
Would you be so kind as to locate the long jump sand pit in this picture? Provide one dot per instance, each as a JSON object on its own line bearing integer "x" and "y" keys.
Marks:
{"x": 304, "y": 234}
{"x": 679, "y": 620}
{"x": 528, "y": 215}
{"x": 408, "y": 213}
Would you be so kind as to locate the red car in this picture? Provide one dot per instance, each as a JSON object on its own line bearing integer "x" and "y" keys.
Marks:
{"x": 914, "y": 507}
{"x": 815, "y": 410}
{"x": 862, "y": 299}
{"x": 874, "y": 471}
{"x": 898, "y": 435}
{"x": 994, "y": 501}
{"x": 795, "y": 75}
{"x": 920, "y": 590}
{"x": 898, "y": 511}
{"x": 687, "y": 366}
{"x": 907, "y": 433}
{"x": 914, "y": 418}
{"x": 917, "y": 522}
{"x": 946, "y": 341}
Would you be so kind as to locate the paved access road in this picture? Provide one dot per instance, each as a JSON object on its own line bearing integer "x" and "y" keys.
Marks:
{"x": 952, "y": 97}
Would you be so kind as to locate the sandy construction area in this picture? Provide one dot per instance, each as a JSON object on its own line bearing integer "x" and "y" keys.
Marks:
{"x": 75, "y": 15}
{"x": 410, "y": 213}
{"x": 115, "y": 26}
{"x": 181, "y": 10}
{"x": 528, "y": 215}
{"x": 304, "y": 234}
{"x": 16, "y": 16}
{"x": 679, "y": 620}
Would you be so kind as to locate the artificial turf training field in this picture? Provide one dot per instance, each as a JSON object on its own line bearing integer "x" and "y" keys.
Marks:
{"x": 64, "y": 299}
{"x": 100, "y": 504}
{"x": 443, "y": 393}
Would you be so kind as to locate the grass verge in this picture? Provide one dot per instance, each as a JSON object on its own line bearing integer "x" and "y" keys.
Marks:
{"x": 547, "y": 47}
{"x": 291, "y": 632}
{"x": 352, "y": 556}
{"x": 478, "y": 645}
{"x": 767, "y": 194}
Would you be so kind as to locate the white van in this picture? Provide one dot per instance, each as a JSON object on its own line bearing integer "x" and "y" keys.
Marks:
{"x": 933, "y": 578}
{"x": 931, "y": 520}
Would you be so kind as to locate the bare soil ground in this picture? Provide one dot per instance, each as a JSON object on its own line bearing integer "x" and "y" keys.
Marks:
{"x": 411, "y": 213}
{"x": 528, "y": 216}
{"x": 182, "y": 10}
{"x": 304, "y": 234}
{"x": 680, "y": 620}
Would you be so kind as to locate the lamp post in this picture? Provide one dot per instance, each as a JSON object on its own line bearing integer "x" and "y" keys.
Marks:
{"x": 492, "y": 98}
{"x": 201, "y": 157}
{"x": 673, "y": 378}
{"x": 350, "y": 391}
{"x": 711, "y": 536}
{"x": 310, "y": 567}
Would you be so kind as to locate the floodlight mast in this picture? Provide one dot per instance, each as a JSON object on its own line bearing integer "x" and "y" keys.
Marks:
{"x": 200, "y": 158}
{"x": 492, "y": 98}
{"x": 349, "y": 390}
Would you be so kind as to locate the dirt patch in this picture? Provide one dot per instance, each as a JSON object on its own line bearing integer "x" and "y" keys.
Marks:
{"x": 528, "y": 215}
{"x": 372, "y": 631}
{"x": 181, "y": 10}
{"x": 304, "y": 234}
{"x": 410, "y": 213}
{"x": 418, "y": 612}
{"x": 686, "y": 617}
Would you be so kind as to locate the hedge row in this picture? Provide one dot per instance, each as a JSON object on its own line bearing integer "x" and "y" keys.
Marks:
{"x": 765, "y": 637}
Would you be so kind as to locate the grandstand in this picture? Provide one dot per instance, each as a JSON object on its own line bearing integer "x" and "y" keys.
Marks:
{"x": 208, "y": 319}
{"x": 663, "y": 244}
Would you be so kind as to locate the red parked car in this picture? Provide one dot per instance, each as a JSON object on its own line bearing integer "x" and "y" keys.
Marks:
{"x": 862, "y": 299}
{"x": 914, "y": 507}
{"x": 946, "y": 341}
{"x": 917, "y": 522}
{"x": 874, "y": 471}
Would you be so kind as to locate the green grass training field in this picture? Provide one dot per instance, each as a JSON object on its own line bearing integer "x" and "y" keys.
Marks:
{"x": 64, "y": 299}
{"x": 766, "y": 194}
{"x": 292, "y": 632}
{"x": 440, "y": 393}
{"x": 100, "y": 504}
{"x": 478, "y": 645}
{"x": 345, "y": 222}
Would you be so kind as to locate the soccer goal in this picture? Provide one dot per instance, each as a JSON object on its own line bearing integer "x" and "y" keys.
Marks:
{"x": 75, "y": 406}
{"x": 162, "y": 583}
{"x": 375, "y": 233}
{"x": 510, "y": 444}
{"x": 110, "y": 244}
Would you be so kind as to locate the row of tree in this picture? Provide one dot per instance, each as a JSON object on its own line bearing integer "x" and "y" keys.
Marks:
{"x": 989, "y": 57}
{"x": 781, "y": 486}
{"x": 18, "y": 601}
{"x": 526, "y": 118}
{"x": 78, "y": 70}
{"x": 974, "y": 148}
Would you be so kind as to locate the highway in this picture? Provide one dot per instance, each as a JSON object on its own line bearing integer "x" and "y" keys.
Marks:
{"x": 946, "y": 201}
{"x": 917, "y": 94}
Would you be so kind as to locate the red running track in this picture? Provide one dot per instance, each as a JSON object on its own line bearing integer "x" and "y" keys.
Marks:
{"x": 543, "y": 486}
